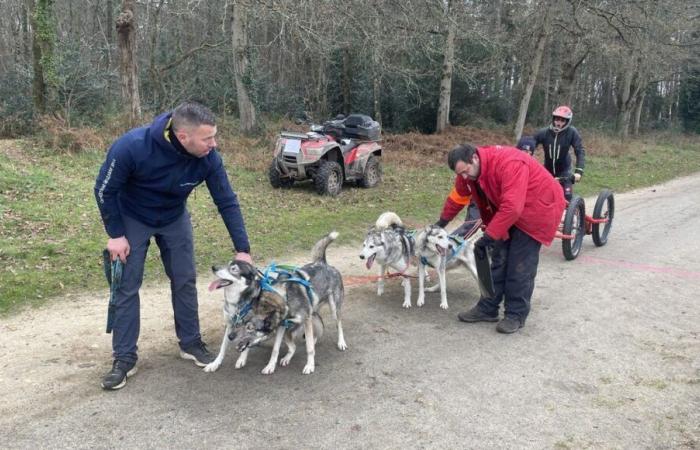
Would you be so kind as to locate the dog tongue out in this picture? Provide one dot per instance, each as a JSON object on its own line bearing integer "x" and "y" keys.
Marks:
{"x": 216, "y": 284}
{"x": 441, "y": 250}
{"x": 370, "y": 260}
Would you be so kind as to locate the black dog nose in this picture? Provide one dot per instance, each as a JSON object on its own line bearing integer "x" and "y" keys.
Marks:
{"x": 213, "y": 268}
{"x": 232, "y": 336}
{"x": 362, "y": 256}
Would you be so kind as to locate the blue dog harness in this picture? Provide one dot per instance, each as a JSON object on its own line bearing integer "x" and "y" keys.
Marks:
{"x": 453, "y": 250}
{"x": 291, "y": 274}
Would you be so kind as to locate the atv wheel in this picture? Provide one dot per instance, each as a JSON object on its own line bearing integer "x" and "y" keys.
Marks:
{"x": 329, "y": 178}
{"x": 372, "y": 174}
{"x": 276, "y": 179}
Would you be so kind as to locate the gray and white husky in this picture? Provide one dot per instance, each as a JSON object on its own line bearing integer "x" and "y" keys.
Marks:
{"x": 287, "y": 306}
{"x": 391, "y": 246}
{"x": 237, "y": 280}
{"x": 437, "y": 249}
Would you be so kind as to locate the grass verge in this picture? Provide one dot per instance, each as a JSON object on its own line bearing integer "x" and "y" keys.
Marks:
{"x": 51, "y": 236}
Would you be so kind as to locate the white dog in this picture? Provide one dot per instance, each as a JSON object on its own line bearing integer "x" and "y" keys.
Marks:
{"x": 437, "y": 249}
{"x": 391, "y": 246}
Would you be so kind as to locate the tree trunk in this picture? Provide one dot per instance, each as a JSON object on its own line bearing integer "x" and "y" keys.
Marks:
{"x": 443, "y": 112}
{"x": 346, "y": 80}
{"x": 568, "y": 79}
{"x": 158, "y": 91}
{"x": 241, "y": 68}
{"x": 126, "y": 41}
{"x": 377, "y": 88}
{"x": 638, "y": 113}
{"x": 534, "y": 71}
{"x": 43, "y": 35}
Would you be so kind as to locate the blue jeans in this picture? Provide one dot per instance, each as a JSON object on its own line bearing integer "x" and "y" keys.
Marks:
{"x": 513, "y": 268}
{"x": 177, "y": 253}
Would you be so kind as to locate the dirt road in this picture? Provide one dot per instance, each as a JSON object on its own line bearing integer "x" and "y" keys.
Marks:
{"x": 609, "y": 358}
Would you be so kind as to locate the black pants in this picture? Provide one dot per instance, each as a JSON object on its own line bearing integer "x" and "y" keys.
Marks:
{"x": 514, "y": 267}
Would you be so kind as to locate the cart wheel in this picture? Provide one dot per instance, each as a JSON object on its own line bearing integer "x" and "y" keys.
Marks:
{"x": 574, "y": 226}
{"x": 604, "y": 209}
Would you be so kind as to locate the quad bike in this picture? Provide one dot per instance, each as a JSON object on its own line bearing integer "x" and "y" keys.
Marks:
{"x": 345, "y": 149}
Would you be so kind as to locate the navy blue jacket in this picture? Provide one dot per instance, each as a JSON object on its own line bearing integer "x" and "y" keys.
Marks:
{"x": 527, "y": 144}
{"x": 556, "y": 148}
{"x": 147, "y": 178}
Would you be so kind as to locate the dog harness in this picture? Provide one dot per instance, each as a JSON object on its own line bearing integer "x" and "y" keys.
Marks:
{"x": 453, "y": 250}
{"x": 271, "y": 276}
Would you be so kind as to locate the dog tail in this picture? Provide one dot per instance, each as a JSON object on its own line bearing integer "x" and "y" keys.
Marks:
{"x": 318, "y": 253}
{"x": 388, "y": 220}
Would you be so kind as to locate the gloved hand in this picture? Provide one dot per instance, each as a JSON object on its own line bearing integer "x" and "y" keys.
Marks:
{"x": 482, "y": 244}
{"x": 578, "y": 173}
{"x": 442, "y": 223}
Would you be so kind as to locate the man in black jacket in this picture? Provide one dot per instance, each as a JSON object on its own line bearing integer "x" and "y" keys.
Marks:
{"x": 556, "y": 141}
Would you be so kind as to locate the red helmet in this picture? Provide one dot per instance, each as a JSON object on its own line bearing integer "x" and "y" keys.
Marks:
{"x": 565, "y": 113}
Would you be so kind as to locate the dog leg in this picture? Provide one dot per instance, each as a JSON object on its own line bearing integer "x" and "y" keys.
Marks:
{"x": 421, "y": 285}
{"x": 214, "y": 365}
{"x": 339, "y": 327}
{"x": 310, "y": 346}
{"x": 291, "y": 348}
{"x": 341, "y": 338}
{"x": 406, "y": 283}
{"x": 380, "y": 281}
{"x": 272, "y": 364}
{"x": 443, "y": 285}
{"x": 242, "y": 358}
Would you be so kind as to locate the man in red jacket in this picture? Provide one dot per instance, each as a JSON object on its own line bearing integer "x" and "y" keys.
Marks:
{"x": 521, "y": 205}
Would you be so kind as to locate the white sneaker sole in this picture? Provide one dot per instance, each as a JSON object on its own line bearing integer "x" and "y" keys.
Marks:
{"x": 189, "y": 357}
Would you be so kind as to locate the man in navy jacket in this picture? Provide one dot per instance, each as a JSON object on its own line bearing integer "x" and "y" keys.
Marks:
{"x": 141, "y": 192}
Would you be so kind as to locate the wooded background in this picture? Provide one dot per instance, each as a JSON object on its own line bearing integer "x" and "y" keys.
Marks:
{"x": 628, "y": 66}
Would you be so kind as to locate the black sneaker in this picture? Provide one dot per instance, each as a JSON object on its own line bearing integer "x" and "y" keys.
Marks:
{"x": 116, "y": 378}
{"x": 476, "y": 315}
{"x": 509, "y": 325}
{"x": 198, "y": 353}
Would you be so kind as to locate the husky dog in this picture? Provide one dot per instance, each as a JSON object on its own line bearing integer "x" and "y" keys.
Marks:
{"x": 392, "y": 246}
{"x": 437, "y": 249}
{"x": 237, "y": 280}
{"x": 287, "y": 306}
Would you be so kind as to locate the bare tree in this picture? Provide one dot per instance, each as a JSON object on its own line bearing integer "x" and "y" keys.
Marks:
{"x": 43, "y": 36}
{"x": 242, "y": 67}
{"x": 443, "y": 112}
{"x": 126, "y": 39}
{"x": 533, "y": 71}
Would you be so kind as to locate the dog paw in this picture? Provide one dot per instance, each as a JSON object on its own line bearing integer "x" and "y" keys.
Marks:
{"x": 212, "y": 367}
{"x": 443, "y": 305}
{"x": 268, "y": 370}
{"x": 342, "y": 346}
{"x": 309, "y": 368}
{"x": 240, "y": 364}
{"x": 406, "y": 304}
{"x": 284, "y": 362}
{"x": 420, "y": 302}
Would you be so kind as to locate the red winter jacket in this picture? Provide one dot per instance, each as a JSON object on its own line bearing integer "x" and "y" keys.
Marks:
{"x": 517, "y": 190}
